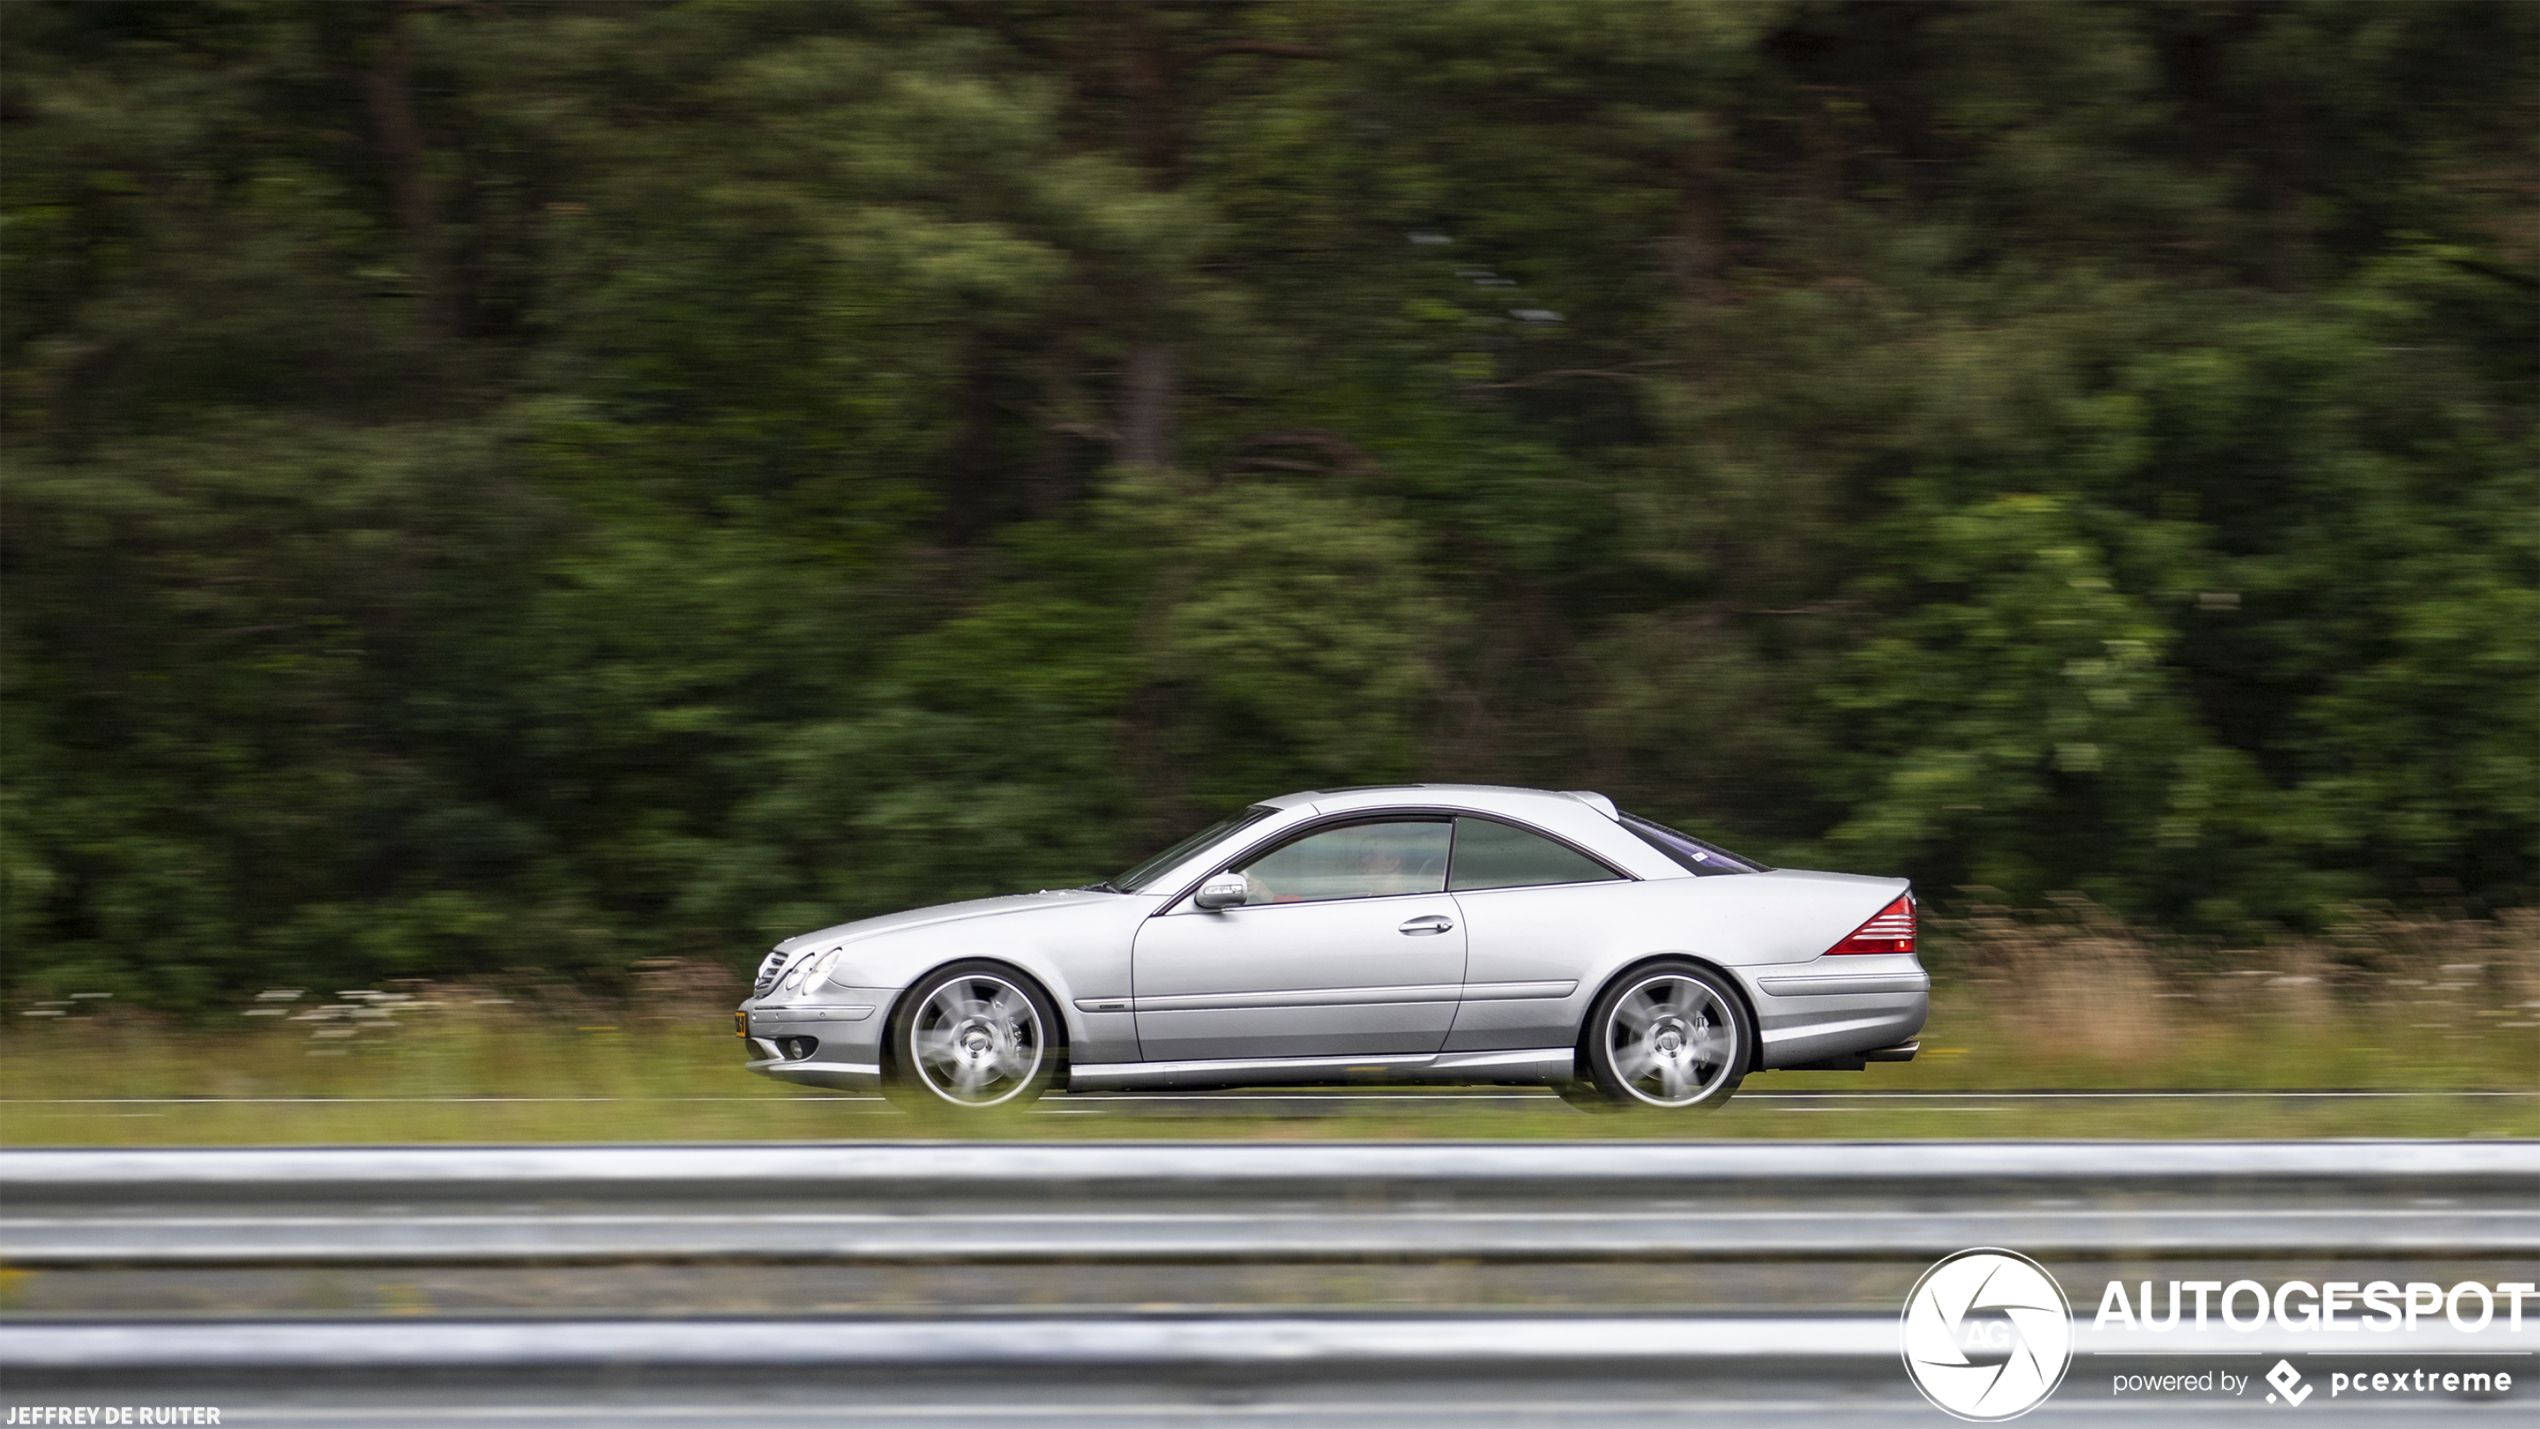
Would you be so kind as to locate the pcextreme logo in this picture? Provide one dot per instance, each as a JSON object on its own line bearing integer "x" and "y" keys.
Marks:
{"x": 2284, "y": 1376}
{"x": 1988, "y": 1335}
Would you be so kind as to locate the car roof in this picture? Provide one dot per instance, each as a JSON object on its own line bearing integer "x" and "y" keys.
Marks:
{"x": 1481, "y": 798}
{"x": 1586, "y": 819}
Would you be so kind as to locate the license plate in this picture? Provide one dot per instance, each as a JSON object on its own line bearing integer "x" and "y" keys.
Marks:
{"x": 740, "y": 1024}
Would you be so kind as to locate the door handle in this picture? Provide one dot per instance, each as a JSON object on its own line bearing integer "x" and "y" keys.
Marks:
{"x": 1433, "y": 923}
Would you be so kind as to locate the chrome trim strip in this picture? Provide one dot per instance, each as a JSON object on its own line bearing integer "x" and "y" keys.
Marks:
{"x": 1515, "y": 991}
{"x": 803, "y": 1016}
{"x": 1834, "y": 986}
{"x": 1331, "y": 997}
{"x": 1882, "y": 1019}
{"x": 852, "y": 1069}
{"x": 1300, "y": 997}
{"x": 1537, "y": 1059}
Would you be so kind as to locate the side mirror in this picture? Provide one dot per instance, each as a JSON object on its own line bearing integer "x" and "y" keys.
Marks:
{"x": 1224, "y": 890}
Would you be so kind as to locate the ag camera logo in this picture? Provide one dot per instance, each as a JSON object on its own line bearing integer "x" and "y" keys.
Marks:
{"x": 1988, "y": 1335}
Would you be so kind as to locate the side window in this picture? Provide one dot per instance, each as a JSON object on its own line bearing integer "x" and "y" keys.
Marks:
{"x": 1490, "y": 854}
{"x": 1354, "y": 861}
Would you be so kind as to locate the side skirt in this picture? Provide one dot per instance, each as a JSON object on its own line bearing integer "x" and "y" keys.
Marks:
{"x": 1532, "y": 1064}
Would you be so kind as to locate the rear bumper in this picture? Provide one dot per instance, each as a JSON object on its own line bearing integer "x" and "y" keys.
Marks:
{"x": 1838, "y": 1010}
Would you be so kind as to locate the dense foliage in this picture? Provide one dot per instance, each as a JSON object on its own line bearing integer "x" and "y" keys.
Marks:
{"x": 495, "y": 484}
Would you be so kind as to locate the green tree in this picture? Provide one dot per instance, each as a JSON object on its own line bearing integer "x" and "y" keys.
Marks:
{"x": 491, "y": 485}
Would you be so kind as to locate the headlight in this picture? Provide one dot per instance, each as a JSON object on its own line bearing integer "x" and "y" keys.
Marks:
{"x": 812, "y": 971}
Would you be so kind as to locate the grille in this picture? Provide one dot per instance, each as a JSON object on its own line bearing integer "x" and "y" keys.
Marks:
{"x": 770, "y": 969}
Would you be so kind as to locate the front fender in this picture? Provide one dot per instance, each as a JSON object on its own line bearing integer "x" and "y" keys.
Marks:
{"x": 1077, "y": 950}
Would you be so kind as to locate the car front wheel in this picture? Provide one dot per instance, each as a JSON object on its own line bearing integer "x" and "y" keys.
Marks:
{"x": 972, "y": 1036}
{"x": 1671, "y": 1036}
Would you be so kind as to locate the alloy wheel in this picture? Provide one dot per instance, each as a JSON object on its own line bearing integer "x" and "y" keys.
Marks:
{"x": 1672, "y": 1040}
{"x": 977, "y": 1040}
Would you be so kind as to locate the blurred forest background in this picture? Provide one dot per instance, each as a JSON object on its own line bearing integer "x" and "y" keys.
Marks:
{"x": 502, "y": 484}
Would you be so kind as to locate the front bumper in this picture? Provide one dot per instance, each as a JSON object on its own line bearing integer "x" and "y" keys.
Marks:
{"x": 834, "y": 1043}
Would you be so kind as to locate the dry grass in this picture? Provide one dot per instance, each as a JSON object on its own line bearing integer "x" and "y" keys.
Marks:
{"x": 2074, "y": 996}
{"x": 525, "y": 1033}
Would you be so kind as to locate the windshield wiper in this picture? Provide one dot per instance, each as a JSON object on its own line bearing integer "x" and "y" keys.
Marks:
{"x": 1106, "y": 886}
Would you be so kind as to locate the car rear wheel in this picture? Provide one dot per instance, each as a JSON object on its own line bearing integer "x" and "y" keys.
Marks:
{"x": 1672, "y": 1036}
{"x": 971, "y": 1037}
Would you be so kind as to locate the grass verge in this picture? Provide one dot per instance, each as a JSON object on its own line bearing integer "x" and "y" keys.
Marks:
{"x": 2446, "y": 1011}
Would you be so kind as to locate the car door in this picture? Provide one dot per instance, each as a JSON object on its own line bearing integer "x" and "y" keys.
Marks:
{"x": 1529, "y": 901}
{"x": 1348, "y": 947}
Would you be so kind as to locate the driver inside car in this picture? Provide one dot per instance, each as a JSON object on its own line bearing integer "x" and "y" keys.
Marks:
{"x": 1343, "y": 863}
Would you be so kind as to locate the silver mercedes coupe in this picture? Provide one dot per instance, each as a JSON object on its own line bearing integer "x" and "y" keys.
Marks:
{"x": 1431, "y": 933}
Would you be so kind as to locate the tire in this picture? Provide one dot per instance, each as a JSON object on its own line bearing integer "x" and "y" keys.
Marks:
{"x": 1671, "y": 1036}
{"x": 973, "y": 1037}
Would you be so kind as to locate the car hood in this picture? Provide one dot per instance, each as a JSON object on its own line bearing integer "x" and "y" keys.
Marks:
{"x": 940, "y": 913}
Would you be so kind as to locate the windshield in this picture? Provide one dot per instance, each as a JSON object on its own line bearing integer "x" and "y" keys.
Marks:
{"x": 1691, "y": 853}
{"x": 1145, "y": 873}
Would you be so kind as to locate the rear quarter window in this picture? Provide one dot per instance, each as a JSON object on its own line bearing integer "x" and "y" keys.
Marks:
{"x": 1490, "y": 854}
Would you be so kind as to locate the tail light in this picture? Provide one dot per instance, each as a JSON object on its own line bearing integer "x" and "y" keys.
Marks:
{"x": 1892, "y": 931}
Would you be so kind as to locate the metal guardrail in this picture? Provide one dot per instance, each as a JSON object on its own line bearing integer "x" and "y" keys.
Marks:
{"x": 1859, "y": 1207}
{"x": 1135, "y": 1168}
{"x": 1130, "y": 1204}
{"x": 985, "y": 1343}
{"x": 980, "y": 1343}
{"x": 565, "y": 1238}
